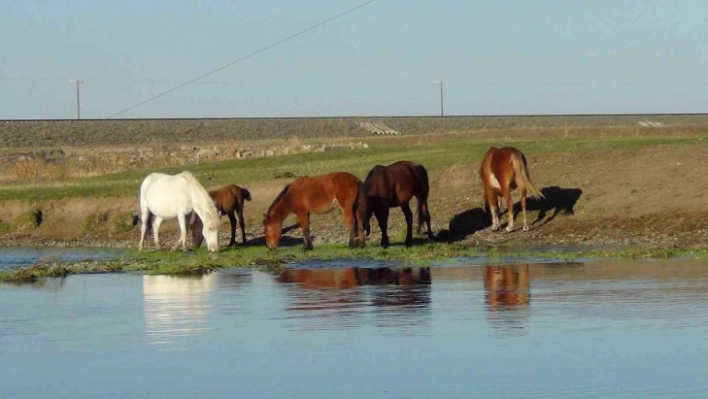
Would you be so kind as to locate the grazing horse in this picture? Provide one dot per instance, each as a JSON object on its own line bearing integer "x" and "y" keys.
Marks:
{"x": 502, "y": 170}
{"x": 166, "y": 197}
{"x": 392, "y": 186}
{"x": 229, "y": 201}
{"x": 318, "y": 194}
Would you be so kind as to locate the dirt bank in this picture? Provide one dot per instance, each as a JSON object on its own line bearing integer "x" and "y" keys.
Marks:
{"x": 648, "y": 196}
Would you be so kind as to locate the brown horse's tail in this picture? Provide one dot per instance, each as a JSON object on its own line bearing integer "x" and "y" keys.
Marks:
{"x": 523, "y": 177}
{"x": 424, "y": 192}
{"x": 359, "y": 213}
{"x": 246, "y": 194}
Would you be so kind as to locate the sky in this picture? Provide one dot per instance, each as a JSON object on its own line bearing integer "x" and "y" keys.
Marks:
{"x": 499, "y": 57}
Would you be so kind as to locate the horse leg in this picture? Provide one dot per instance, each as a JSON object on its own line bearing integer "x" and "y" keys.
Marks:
{"x": 243, "y": 226}
{"x": 523, "y": 207}
{"x": 349, "y": 219}
{"x": 424, "y": 214}
{"x": 197, "y": 236}
{"x": 156, "y": 231}
{"x": 304, "y": 218}
{"x": 367, "y": 221}
{"x": 509, "y": 209}
{"x": 143, "y": 227}
{"x": 232, "y": 221}
{"x": 183, "y": 226}
{"x": 182, "y": 233}
{"x": 491, "y": 199}
{"x": 406, "y": 208}
{"x": 381, "y": 214}
{"x": 420, "y": 215}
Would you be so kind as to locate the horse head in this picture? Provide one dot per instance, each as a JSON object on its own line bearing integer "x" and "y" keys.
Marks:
{"x": 272, "y": 229}
{"x": 210, "y": 231}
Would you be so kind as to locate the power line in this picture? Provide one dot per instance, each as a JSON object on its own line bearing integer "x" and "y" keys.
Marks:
{"x": 330, "y": 19}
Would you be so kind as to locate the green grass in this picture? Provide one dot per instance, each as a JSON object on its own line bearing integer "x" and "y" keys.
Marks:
{"x": 28, "y": 220}
{"x": 435, "y": 156}
{"x": 121, "y": 222}
{"x": 93, "y": 222}
{"x": 201, "y": 262}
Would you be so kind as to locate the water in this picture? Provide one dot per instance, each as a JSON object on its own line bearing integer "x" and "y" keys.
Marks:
{"x": 596, "y": 330}
{"x": 14, "y": 257}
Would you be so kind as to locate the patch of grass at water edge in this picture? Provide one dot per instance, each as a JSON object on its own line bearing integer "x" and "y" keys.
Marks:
{"x": 202, "y": 262}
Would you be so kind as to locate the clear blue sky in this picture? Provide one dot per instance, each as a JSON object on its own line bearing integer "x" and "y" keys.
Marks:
{"x": 500, "y": 57}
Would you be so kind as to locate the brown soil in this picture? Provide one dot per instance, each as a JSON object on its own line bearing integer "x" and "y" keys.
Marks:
{"x": 647, "y": 196}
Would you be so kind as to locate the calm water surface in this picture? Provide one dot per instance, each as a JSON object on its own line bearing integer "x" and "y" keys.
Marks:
{"x": 601, "y": 329}
{"x": 14, "y": 257}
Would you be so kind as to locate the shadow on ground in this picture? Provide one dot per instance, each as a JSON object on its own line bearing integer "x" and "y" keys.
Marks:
{"x": 285, "y": 241}
{"x": 557, "y": 201}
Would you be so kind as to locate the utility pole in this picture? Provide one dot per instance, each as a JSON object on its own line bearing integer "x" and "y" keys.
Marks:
{"x": 442, "y": 106}
{"x": 78, "y": 83}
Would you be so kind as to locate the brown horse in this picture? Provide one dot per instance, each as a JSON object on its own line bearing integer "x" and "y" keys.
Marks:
{"x": 506, "y": 286}
{"x": 229, "y": 201}
{"x": 503, "y": 170}
{"x": 392, "y": 186}
{"x": 318, "y": 194}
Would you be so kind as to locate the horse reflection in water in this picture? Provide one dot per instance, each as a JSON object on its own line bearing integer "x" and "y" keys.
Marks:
{"x": 507, "y": 296}
{"x": 176, "y": 308}
{"x": 340, "y": 298}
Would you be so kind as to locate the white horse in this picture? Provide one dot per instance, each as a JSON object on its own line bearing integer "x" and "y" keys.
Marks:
{"x": 166, "y": 197}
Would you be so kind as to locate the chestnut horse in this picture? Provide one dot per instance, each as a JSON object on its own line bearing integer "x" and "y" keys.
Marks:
{"x": 392, "y": 186}
{"x": 502, "y": 170}
{"x": 317, "y": 194}
{"x": 229, "y": 201}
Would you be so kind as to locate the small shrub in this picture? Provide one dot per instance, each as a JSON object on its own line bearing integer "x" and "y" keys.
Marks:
{"x": 122, "y": 222}
{"x": 93, "y": 222}
{"x": 4, "y": 227}
{"x": 28, "y": 220}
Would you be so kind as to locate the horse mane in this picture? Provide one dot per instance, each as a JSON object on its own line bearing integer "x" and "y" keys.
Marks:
{"x": 278, "y": 198}
{"x": 201, "y": 198}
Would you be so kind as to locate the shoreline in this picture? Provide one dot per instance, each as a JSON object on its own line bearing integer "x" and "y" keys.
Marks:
{"x": 200, "y": 262}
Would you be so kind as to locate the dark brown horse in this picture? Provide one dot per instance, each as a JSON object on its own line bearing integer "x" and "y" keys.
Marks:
{"x": 318, "y": 194}
{"x": 345, "y": 278}
{"x": 229, "y": 201}
{"x": 394, "y": 186}
{"x": 503, "y": 170}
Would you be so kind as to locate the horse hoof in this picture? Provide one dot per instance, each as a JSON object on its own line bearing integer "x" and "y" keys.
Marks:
{"x": 495, "y": 228}
{"x": 509, "y": 229}
{"x": 526, "y": 228}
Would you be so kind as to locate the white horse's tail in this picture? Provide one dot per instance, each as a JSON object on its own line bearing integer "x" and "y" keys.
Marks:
{"x": 201, "y": 199}
{"x": 522, "y": 176}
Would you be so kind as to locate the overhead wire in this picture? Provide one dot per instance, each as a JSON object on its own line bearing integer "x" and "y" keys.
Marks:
{"x": 250, "y": 55}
